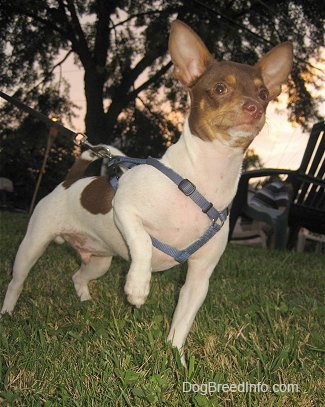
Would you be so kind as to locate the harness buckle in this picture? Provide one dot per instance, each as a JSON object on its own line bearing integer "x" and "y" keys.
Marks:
{"x": 187, "y": 187}
{"x": 206, "y": 210}
{"x": 219, "y": 222}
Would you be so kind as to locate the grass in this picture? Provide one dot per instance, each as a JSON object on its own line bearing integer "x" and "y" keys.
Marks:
{"x": 261, "y": 325}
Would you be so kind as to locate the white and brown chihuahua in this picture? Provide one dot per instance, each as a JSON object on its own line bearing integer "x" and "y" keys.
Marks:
{"x": 228, "y": 103}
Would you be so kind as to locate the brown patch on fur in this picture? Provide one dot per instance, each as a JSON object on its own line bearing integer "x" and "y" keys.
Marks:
{"x": 97, "y": 196}
{"x": 231, "y": 80}
{"x": 258, "y": 82}
{"x": 76, "y": 172}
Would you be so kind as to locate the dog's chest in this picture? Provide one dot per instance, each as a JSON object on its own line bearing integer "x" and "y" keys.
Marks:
{"x": 164, "y": 211}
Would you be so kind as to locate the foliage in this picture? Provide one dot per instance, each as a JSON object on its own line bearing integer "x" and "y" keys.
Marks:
{"x": 141, "y": 136}
{"x": 121, "y": 46}
{"x": 251, "y": 160}
{"x": 261, "y": 323}
{"x": 22, "y": 149}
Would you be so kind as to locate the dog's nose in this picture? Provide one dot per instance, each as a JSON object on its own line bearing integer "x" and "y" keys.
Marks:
{"x": 254, "y": 109}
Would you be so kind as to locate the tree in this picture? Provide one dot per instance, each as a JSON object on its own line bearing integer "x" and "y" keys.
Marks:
{"x": 22, "y": 149}
{"x": 252, "y": 160}
{"x": 122, "y": 48}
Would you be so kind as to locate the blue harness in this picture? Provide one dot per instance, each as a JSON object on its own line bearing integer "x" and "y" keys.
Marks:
{"x": 188, "y": 188}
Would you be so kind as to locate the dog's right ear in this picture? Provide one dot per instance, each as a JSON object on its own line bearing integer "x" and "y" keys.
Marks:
{"x": 188, "y": 52}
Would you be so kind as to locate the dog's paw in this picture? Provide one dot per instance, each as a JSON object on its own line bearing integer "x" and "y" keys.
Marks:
{"x": 81, "y": 289}
{"x": 137, "y": 301}
{"x": 84, "y": 294}
{"x": 136, "y": 293}
{"x": 5, "y": 312}
{"x": 183, "y": 361}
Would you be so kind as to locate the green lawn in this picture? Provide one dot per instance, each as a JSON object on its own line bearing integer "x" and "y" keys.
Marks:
{"x": 259, "y": 331}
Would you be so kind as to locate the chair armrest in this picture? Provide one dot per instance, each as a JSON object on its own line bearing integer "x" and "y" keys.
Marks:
{"x": 242, "y": 191}
{"x": 240, "y": 204}
{"x": 266, "y": 172}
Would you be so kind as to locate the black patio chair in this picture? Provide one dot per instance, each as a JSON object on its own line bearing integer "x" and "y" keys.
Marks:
{"x": 307, "y": 197}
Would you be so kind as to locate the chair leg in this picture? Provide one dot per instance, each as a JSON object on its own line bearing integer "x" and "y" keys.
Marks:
{"x": 301, "y": 241}
{"x": 233, "y": 217}
{"x": 280, "y": 235}
{"x": 232, "y": 223}
{"x": 293, "y": 237}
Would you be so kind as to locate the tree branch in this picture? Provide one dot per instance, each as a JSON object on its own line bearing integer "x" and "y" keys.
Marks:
{"x": 80, "y": 40}
{"x": 233, "y": 22}
{"x": 147, "y": 13}
{"x": 50, "y": 72}
{"x": 150, "y": 81}
{"x": 44, "y": 22}
{"x": 130, "y": 75}
{"x": 252, "y": 33}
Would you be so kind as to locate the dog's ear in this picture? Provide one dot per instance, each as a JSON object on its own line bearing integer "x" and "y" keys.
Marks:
{"x": 188, "y": 52}
{"x": 275, "y": 67}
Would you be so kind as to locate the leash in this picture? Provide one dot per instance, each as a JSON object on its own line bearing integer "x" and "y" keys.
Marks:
{"x": 101, "y": 150}
{"x": 38, "y": 115}
{"x": 216, "y": 217}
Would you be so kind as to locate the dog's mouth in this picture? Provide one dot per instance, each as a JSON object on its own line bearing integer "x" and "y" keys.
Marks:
{"x": 242, "y": 128}
{"x": 247, "y": 125}
{"x": 239, "y": 121}
{"x": 243, "y": 134}
{"x": 232, "y": 128}
{"x": 246, "y": 129}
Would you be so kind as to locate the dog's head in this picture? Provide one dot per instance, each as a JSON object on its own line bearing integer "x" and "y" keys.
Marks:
{"x": 228, "y": 99}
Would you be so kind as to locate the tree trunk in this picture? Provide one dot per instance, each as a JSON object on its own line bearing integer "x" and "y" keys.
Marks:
{"x": 95, "y": 117}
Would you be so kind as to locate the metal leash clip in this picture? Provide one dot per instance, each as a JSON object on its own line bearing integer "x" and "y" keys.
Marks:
{"x": 101, "y": 150}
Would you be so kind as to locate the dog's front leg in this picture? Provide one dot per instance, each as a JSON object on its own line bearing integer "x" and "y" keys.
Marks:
{"x": 191, "y": 297}
{"x": 139, "y": 242}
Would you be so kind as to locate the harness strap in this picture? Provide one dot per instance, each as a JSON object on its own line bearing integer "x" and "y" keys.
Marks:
{"x": 182, "y": 255}
{"x": 127, "y": 162}
{"x": 188, "y": 189}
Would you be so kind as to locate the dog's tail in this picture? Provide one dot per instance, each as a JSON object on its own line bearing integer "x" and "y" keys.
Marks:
{"x": 79, "y": 168}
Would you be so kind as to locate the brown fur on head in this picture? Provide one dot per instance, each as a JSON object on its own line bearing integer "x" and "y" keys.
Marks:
{"x": 228, "y": 99}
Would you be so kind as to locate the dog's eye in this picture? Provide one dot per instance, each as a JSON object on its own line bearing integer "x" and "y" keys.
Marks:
{"x": 263, "y": 94}
{"x": 220, "y": 88}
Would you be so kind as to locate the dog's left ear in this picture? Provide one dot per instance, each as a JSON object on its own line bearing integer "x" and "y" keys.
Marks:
{"x": 275, "y": 67}
{"x": 188, "y": 52}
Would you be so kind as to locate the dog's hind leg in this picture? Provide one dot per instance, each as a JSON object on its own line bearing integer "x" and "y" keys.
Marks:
{"x": 31, "y": 248}
{"x": 95, "y": 268}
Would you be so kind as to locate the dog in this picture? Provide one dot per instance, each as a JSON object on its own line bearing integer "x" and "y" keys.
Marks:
{"x": 227, "y": 111}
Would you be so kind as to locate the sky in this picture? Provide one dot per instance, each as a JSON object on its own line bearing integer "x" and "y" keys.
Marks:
{"x": 279, "y": 144}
